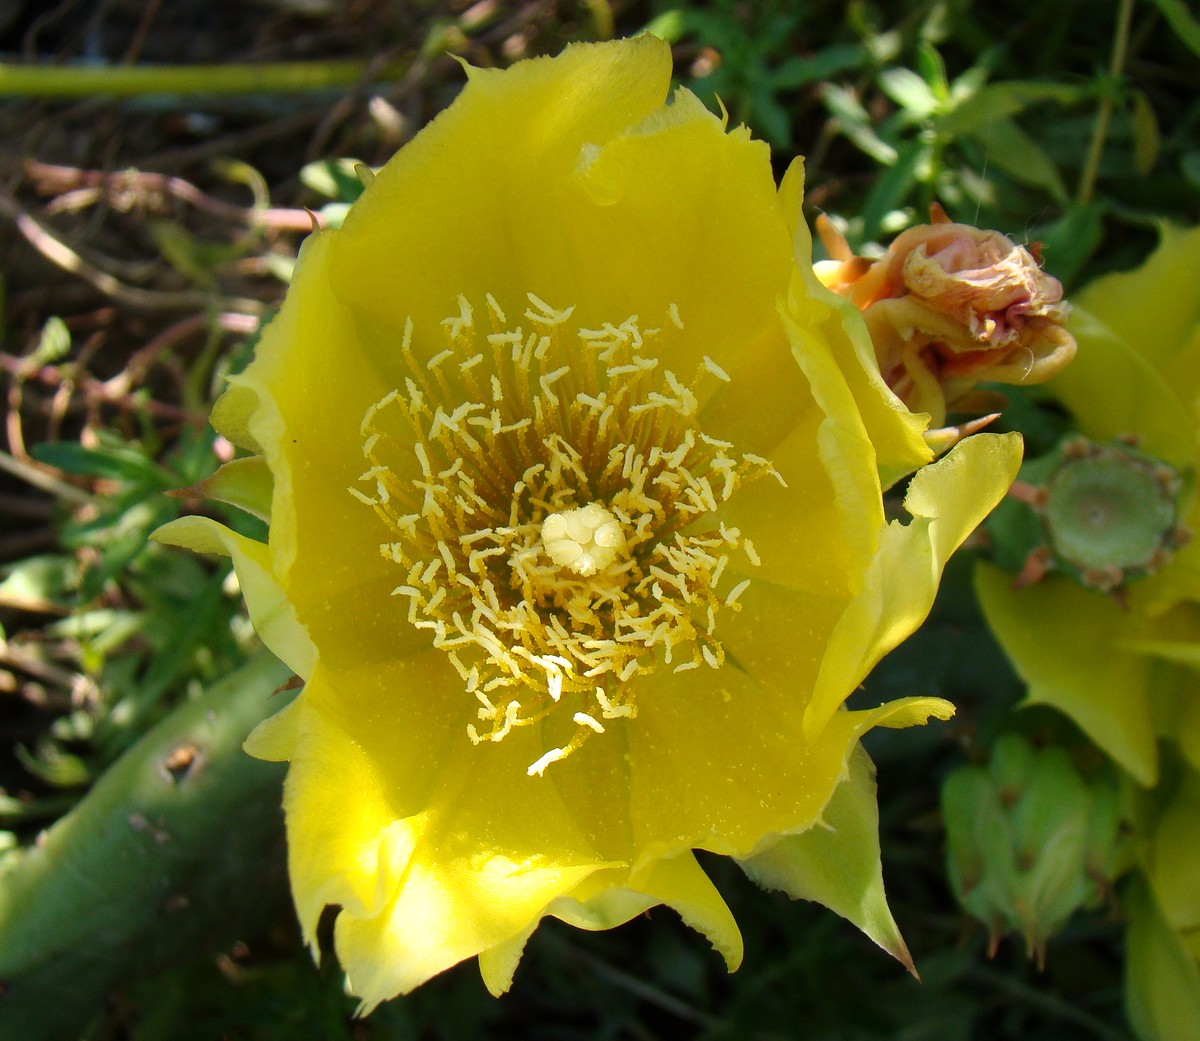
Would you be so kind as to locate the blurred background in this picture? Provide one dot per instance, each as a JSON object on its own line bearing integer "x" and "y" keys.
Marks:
{"x": 160, "y": 162}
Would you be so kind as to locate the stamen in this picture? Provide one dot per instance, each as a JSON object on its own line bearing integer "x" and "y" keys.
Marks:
{"x": 550, "y": 539}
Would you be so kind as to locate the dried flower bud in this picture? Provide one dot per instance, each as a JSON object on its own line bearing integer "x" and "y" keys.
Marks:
{"x": 949, "y": 306}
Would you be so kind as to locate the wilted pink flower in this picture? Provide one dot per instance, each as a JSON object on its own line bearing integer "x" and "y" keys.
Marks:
{"x": 949, "y": 306}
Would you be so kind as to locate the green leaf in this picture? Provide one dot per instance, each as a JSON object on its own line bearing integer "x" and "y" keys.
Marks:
{"x": 42, "y": 583}
{"x": 1069, "y": 242}
{"x": 1189, "y": 164}
{"x": 893, "y": 188}
{"x": 979, "y": 110}
{"x": 1186, "y": 27}
{"x": 826, "y": 63}
{"x": 335, "y": 179}
{"x": 853, "y": 121}
{"x": 245, "y": 483}
{"x": 55, "y": 342}
{"x": 115, "y": 461}
{"x": 670, "y": 25}
{"x": 1146, "y": 136}
{"x": 933, "y": 70}
{"x": 998, "y": 100}
{"x": 175, "y": 851}
{"x": 190, "y": 256}
{"x": 1107, "y": 695}
{"x": 1008, "y": 147}
{"x": 909, "y": 91}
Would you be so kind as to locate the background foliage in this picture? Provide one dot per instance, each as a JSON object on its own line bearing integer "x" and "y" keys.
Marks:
{"x": 143, "y": 237}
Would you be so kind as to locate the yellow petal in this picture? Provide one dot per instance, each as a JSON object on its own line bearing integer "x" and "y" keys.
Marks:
{"x": 273, "y": 616}
{"x": 1162, "y": 979}
{"x": 1155, "y": 308}
{"x": 800, "y": 532}
{"x": 842, "y": 438}
{"x": 436, "y": 849}
{"x": 894, "y": 431}
{"x": 275, "y": 738}
{"x": 245, "y": 483}
{"x": 745, "y": 770}
{"x": 312, "y": 384}
{"x": 947, "y": 500}
{"x": 1173, "y": 855}
{"x": 569, "y": 179}
{"x": 1112, "y": 390}
{"x": 1051, "y": 631}
{"x": 518, "y": 136}
{"x": 837, "y": 863}
{"x": 481, "y": 870}
{"x": 680, "y": 883}
{"x": 232, "y": 414}
{"x": 676, "y": 882}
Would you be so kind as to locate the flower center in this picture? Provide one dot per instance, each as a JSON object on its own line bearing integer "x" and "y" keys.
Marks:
{"x": 554, "y": 510}
{"x": 583, "y": 540}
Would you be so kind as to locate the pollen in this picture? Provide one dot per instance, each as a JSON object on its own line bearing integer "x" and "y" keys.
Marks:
{"x": 553, "y": 510}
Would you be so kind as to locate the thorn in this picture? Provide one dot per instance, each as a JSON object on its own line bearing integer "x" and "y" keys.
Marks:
{"x": 289, "y": 684}
{"x": 1034, "y": 569}
{"x": 1030, "y": 494}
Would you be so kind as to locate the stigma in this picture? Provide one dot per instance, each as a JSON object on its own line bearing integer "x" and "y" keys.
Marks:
{"x": 584, "y": 540}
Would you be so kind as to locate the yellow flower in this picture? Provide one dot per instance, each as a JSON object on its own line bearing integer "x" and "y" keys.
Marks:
{"x": 950, "y": 306}
{"x": 1137, "y": 374}
{"x": 576, "y": 532}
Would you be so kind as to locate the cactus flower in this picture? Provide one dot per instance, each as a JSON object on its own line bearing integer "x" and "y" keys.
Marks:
{"x": 577, "y": 541}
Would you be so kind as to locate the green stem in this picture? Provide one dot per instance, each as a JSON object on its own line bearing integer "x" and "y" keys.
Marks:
{"x": 71, "y": 81}
{"x": 1116, "y": 66}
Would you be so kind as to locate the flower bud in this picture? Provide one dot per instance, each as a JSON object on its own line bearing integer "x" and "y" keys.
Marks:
{"x": 1029, "y": 841}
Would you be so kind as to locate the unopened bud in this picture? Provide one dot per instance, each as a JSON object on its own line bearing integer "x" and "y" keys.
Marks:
{"x": 1029, "y": 841}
